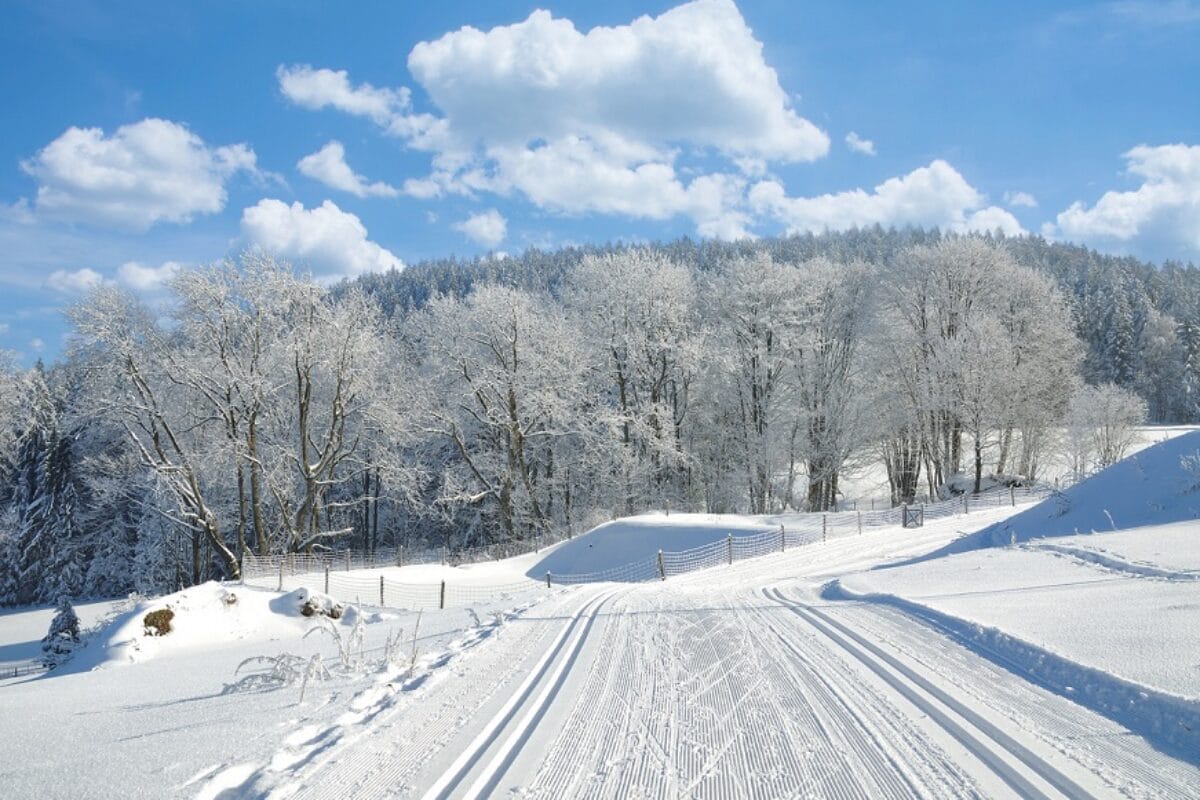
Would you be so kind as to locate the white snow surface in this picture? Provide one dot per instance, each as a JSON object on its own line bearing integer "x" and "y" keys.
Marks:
{"x": 740, "y": 681}
{"x": 1139, "y": 628}
{"x": 623, "y": 541}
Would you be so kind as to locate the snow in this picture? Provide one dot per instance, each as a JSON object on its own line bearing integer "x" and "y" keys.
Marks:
{"x": 1151, "y": 487}
{"x": 1111, "y": 618}
{"x": 997, "y": 672}
{"x": 615, "y": 544}
{"x": 22, "y": 629}
{"x": 155, "y": 717}
{"x": 869, "y": 480}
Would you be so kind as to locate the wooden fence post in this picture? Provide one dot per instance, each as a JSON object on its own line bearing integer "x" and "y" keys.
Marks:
{"x": 1012, "y": 495}
{"x": 347, "y": 560}
{"x": 281, "y": 563}
{"x": 904, "y": 515}
{"x": 782, "y": 539}
{"x": 326, "y": 579}
{"x": 662, "y": 568}
{"x": 729, "y": 547}
{"x": 442, "y": 596}
{"x": 381, "y": 591}
{"x": 823, "y": 526}
{"x": 859, "y": 513}
{"x": 547, "y": 580}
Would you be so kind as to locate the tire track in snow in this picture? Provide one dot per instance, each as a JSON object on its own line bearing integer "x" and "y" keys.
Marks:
{"x": 999, "y": 751}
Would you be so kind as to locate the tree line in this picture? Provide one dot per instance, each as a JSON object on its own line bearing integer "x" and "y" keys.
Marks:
{"x": 461, "y": 404}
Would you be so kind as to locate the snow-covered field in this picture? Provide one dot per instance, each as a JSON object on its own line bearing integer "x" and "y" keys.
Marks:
{"x": 855, "y": 667}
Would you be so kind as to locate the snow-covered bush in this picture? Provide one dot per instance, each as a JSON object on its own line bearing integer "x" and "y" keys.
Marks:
{"x": 1189, "y": 466}
{"x": 274, "y": 672}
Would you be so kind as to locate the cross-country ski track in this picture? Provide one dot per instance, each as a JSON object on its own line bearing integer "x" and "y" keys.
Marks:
{"x": 737, "y": 682}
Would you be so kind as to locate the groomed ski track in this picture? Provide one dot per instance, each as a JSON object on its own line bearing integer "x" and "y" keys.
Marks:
{"x": 736, "y": 682}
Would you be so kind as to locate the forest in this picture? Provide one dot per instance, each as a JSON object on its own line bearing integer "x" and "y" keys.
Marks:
{"x": 459, "y": 403}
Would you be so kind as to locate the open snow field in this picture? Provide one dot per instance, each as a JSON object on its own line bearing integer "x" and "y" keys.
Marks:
{"x": 738, "y": 681}
{"x": 971, "y": 657}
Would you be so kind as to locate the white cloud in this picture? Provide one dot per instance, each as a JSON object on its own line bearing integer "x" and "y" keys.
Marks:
{"x": 694, "y": 74}
{"x": 1163, "y": 213}
{"x": 488, "y": 228}
{"x": 1020, "y": 200}
{"x": 859, "y": 144}
{"x": 145, "y": 278}
{"x": 591, "y": 122}
{"x": 928, "y": 196}
{"x": 149, "y": 171}
{"x": 37, "y": 345}
{"x": 324, "y": 238}
{"x": 328, "y": 165}
{"x": 74, "y": 281}
{"x": 316, "y": 89}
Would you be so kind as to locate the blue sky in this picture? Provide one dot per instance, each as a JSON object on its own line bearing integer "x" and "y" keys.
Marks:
{"x": 142, "y": 138}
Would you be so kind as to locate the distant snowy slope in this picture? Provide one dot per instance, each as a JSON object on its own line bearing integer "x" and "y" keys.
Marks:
{"x": 632, "y": 539}
{"x": 1158, "y": 485}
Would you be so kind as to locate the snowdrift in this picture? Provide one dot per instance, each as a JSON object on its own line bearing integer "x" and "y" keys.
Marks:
{"x": 631, "y": 539}
{"x": 202, "y": 617}
{"x": 1156, "y": 486}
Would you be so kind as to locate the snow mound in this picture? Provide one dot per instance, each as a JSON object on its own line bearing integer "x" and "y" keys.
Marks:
{"x": 202, "y": 617}
{"x": 1156, "y": 486}
{"x": 632, "y": 539}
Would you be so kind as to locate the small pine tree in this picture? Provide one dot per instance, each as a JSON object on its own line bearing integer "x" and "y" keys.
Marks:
{"x": 63, "y": 637}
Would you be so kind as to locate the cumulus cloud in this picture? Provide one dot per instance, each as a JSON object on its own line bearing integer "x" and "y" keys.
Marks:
{"x": 316, "y": 89}
{"x": 74, "y": 281}
{"x": 150, "y": 171}
{"x": 1020, "y": 200}
{"x": 595, "y": 121}
{"x": 144, "y": 278}
{"x": 488, "y": 228}
{"x": 859, "y": 144}
{"x": 1163, "y": 213}
{"x": 324, "y": 238}
{"x": 693, "y": 74}
{"x": 328, "y": 165}
{"x": 933, "y": 195}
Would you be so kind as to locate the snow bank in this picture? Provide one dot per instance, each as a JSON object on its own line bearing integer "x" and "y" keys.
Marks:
{"x": 632, "y": 539}
{"x": 202, "y": 617}
{"x": 1158, "y": 485}
{"x": 1081, "y": 625}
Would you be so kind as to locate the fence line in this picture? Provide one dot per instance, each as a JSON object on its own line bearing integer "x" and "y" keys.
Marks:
{"x": 341, "y": 575}
{"x": 17, "y": 670}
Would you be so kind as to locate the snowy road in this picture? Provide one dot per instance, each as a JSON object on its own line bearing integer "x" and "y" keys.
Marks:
{"x": 735, "y": 683}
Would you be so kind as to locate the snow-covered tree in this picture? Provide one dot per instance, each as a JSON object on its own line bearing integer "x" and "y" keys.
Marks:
{"x": 752, "y": 310}
{"x": 831, "y": 314}
{"x": 63, "y": 637}
{"x": 1101, "y": 425}
{"x": 504, "y": 381}
{"x": 637, "y": 312}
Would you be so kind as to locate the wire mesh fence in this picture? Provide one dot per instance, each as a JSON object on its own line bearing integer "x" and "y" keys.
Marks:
{"x": 361, "y": 577}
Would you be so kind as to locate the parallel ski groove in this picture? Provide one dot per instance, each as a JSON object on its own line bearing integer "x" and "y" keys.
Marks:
{"x": 1055, "y": 719}
{"x": 451, "y": 780}
{"x": 994, "y": 747}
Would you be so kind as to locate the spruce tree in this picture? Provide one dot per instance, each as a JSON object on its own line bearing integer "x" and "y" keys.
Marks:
{"x": 63, "y": 636}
